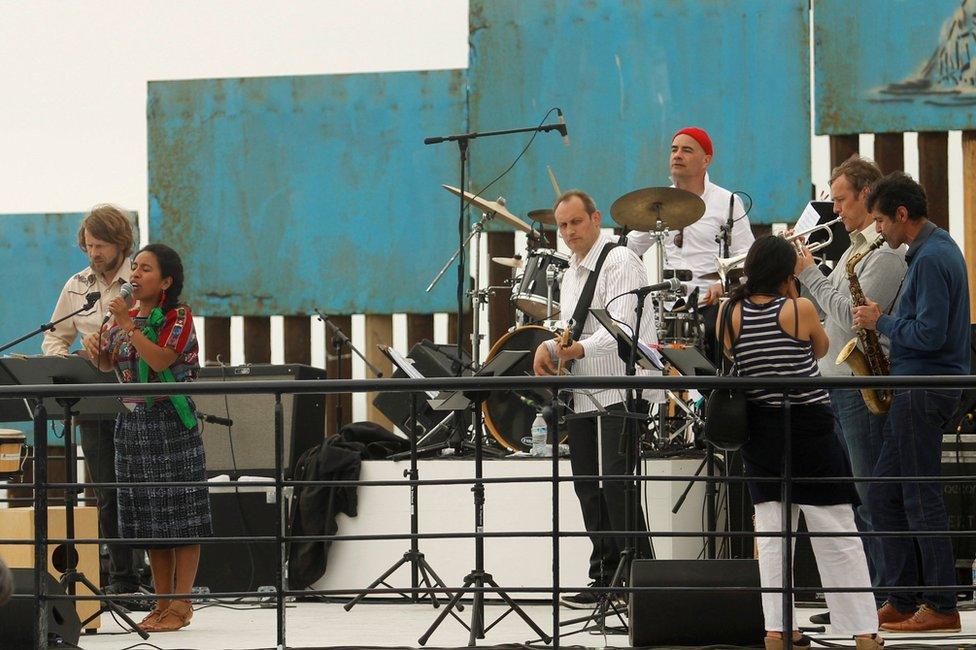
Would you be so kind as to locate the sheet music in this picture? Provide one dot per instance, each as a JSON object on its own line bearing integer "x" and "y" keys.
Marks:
{"x": 406, "y": 365}
{"x": 808, "y": 218}
{"x": 651, "y": 353}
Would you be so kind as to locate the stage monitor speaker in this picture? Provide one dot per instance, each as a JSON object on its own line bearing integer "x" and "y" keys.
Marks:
{"x": 17, "y": 616}
{"x": 698, "y": 618}
{"x": 240, "y": 566}
{"x": 247, "y": 447}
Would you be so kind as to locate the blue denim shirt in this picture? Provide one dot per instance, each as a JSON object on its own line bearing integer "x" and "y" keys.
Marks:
{"x": 930, "y": 330}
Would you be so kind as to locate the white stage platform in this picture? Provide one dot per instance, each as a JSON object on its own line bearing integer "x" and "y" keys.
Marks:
{"x": 513, "y": 561}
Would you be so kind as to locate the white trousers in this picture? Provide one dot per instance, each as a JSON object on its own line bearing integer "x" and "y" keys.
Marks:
{"x": 840, "y": 562}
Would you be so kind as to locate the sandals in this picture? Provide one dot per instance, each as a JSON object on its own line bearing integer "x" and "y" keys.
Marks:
{"x": 874, "y": 642}
{"x": 150, "y": 620}
{"x": 177, "y": 616}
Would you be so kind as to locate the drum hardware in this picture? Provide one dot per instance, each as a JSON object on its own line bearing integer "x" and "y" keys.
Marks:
{"x": 536, "y": 293}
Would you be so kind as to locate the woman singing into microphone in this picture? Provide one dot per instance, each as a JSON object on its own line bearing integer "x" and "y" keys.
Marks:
{"x": 158, "y": 441}
{"x": 775, "y": 333}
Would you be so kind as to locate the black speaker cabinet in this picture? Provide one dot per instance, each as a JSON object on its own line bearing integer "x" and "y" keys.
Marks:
{"x": 18, "y": 614}
{"x": 247, "y": 447}
{"x": 240, "y": 566}
{"x": 699, "y": 618}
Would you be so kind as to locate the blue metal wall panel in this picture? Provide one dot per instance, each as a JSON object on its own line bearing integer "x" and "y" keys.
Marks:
{"x": 629, "y": 74}
{"x": 895, "y": 65}
{"x": 288, "y": 193}
{"x": 38, "y": 252}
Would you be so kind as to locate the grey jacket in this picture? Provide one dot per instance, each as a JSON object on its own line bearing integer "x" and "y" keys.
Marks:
{"x": 880, "y": 274}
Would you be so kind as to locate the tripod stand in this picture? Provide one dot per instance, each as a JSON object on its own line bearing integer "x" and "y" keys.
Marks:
{"x": 420, "y": 569}
{"x": 478, "y": 580}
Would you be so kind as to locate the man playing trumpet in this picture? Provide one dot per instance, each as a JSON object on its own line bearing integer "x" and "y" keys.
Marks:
{"x": 879, "y": 273}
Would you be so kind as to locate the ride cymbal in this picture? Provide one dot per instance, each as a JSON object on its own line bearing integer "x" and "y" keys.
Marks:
{"x": 641, "y": 209}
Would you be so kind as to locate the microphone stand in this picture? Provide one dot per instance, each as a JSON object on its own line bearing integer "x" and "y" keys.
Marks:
{"x": 91, "y": 298}
{"x": 462, "y": 140}
{"x": 339, "y": 339}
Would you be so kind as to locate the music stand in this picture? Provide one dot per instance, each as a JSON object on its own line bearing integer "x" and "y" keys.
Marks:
{"x": 43, "y": 370}
{"x": 478, "y": 578}
{"x": 420, "y": 569}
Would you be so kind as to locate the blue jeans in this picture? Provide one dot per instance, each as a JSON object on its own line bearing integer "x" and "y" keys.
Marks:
{"x": 860, "y": 433}
{"x": 912, "y": 446}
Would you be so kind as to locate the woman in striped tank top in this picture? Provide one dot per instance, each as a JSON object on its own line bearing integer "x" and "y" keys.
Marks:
{"x": 775, "y": 333}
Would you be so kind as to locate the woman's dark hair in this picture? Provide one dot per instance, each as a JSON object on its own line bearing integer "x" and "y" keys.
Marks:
{"x": 170, "y": 266}
{"x": 769, "y": 262}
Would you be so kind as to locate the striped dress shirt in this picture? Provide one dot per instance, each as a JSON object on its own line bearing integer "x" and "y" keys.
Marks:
{"x": 622, "y": 271}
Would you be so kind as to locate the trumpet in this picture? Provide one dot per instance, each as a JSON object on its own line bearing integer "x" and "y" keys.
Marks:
{"x": 726, "y": 264}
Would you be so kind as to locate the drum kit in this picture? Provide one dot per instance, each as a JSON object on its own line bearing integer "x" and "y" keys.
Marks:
{"x": 534, "y": 288}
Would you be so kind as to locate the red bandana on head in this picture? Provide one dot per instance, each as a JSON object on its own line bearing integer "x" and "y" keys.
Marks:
{"x": 700, "y": 136}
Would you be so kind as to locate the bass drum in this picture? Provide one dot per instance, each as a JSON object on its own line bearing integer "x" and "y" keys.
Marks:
{"x": 507, "y": 417}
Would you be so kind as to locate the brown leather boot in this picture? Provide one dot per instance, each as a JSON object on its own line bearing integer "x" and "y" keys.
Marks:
{"x": 888, "y": 614}
{"x": 926, "y": 619}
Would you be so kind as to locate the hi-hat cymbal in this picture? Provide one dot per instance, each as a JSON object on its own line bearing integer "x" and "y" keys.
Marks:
{"x": 488, "y": 206}
{"x": 545, "y": 215}
{"x": 641, "y": 209}
{"x": 512, "y": 262}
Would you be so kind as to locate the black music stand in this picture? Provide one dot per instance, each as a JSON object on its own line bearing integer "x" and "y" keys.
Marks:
{"x": 478, "y": 578}
{"x": 72, "y": 369}
{"x": 420, "y": 568}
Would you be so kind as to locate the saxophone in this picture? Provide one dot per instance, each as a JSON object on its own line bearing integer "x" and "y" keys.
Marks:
{"x": 872, "y": 361}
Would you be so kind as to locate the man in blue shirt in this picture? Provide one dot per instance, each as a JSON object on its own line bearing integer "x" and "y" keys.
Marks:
{"x": 929, "y": 334}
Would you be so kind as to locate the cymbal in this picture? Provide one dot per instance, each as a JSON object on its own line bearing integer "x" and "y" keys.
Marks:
{"x": 494, "y": 207}
{"x": 641, "y": 209}
{"x": 513, "y": 262}
{"x": 545, "y": 215}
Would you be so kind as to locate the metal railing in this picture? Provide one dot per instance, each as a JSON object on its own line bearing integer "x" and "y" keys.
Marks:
{"x": 41, "y": 485}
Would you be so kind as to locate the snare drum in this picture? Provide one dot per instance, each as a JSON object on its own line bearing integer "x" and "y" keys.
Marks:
{"x": 13, "y": 451}
{"x": 531, "y": 290}
{"x": 680, "y": 327}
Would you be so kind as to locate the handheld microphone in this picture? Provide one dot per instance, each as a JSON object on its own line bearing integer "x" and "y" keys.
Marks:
{"x": 673, "y": 284}
{"x": 214, "y": 419}
{"x": 562, "y": 127}
{"x": 125, "y": 293}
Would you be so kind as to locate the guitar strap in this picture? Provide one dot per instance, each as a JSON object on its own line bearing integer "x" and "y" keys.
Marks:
{"x": 586, "y": 296}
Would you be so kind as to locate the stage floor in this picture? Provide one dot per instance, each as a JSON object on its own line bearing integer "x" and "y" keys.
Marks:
{"x": 320, "y": 625}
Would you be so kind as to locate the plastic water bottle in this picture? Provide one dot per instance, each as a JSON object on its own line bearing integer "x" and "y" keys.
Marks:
{"x": 540, "y": 432}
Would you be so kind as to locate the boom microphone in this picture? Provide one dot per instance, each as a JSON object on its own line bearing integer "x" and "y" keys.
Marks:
{"x": 562, "y": 130}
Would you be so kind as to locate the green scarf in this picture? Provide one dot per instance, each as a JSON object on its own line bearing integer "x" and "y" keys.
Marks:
{"x": 151, "y": 331}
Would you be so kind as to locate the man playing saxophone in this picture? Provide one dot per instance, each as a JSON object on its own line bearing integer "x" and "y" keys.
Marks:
{"x": 878, "y": 272}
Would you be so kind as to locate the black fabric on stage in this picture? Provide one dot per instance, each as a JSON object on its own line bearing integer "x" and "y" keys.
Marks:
{"x": 314, "y": 508}
{"x": 603, "y": 509}
{"x": 816, "y": 451}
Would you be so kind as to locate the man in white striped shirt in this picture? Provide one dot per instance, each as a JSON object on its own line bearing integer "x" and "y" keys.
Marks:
{"x": 595, "y": 354}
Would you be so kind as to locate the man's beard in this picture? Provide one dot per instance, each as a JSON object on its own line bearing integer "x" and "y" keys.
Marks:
{"x": 110, "y": 265}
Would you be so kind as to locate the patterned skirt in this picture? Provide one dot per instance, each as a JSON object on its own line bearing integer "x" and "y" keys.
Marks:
{"x": 152, "y": 445}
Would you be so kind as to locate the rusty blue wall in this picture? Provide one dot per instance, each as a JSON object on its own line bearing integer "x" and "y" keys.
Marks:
{"x": 38, "y": 252}
{"x": 289, "y": 193}
{"x": 894, "y": 65}
{"x": 628, "y": 74}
